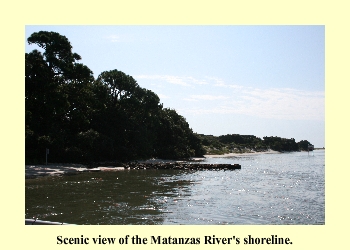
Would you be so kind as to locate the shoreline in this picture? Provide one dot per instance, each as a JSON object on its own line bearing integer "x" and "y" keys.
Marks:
{"x": 242, "y": 154}
{"x": 59, "y": 169}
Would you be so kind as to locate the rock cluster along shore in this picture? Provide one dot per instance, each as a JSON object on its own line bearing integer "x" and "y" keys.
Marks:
{"x": 73, "y": 169}
{"x": 177, "y": 165}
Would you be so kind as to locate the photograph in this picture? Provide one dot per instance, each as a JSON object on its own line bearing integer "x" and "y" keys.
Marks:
{"x": 175, "y": 125}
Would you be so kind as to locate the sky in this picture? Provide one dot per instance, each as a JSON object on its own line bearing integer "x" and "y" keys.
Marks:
{"x": 248, "y": 80}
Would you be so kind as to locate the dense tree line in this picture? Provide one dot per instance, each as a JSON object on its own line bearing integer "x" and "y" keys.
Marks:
{"x": 83, "y": 119}
{"x": 245, "y": 143}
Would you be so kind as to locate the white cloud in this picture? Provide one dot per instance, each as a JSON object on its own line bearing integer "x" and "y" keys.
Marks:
{"x": 166, "y": 78}
{"x": 176, "y": 80}
{"x": 114, "y": 38}
{"x": 197, "y": 81}
{"x": 207, "y": 97}
{"x": 214, "y": 96}
{"x": 286, "y": 104}
{"x": 186, "y": 81}
{"x": 161, "y": 96}
{"x": 231, "y": 86}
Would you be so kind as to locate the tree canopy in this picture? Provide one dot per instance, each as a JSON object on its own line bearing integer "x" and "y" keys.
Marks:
{"x": 246, "y": 143}
{"x": 83, "y": 119}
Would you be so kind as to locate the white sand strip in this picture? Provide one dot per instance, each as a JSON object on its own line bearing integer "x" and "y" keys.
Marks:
{"x": 242, "y": 154}
{"x": 60, "y": 169}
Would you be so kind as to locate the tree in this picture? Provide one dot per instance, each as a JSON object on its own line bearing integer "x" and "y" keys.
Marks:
{"x": 58, "y": 95}
{"x": 82, "y": 119}
{"x": 119, "y": 85}
{"x": 58, "y": 51}
{"x": 303, "y": 145}
{"x": 175, "y": 139}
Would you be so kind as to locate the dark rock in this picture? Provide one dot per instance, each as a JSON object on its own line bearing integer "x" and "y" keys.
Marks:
{"x": 177, "y": 165}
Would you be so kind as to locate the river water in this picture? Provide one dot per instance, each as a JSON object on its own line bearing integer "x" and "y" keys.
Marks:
{"x": 270, "y": 189}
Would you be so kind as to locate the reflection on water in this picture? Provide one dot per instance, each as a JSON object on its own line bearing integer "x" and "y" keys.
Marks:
{"x": 269, "y": 189}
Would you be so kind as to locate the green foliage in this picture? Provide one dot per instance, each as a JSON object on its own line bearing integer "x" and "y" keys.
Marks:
{"x": 303, "y": 145}
{"x": 58, "y": 96}
{"x": 175, "y": 139}
{"x": 246, "y": 143}
{"x": 281, "y": 144}
{"x": 82, "y": 119}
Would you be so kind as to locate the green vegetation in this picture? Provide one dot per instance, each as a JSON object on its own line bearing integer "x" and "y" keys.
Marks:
{"x": 83, "y": 119}
{"x": 235, "y": 143}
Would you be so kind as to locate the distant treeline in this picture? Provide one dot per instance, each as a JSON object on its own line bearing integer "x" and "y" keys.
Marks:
{"x": 246, "y": 143}
{"x": 82, "y": 119}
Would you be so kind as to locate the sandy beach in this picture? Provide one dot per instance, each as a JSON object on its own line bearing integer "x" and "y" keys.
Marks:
{"x": 33, "y": 171}
{"x": 242, "y": 154}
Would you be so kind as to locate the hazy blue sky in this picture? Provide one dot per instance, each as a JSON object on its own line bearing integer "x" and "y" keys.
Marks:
{"x": 251, "y": 80}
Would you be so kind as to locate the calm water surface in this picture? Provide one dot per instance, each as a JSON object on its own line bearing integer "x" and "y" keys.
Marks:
{"x": 272, "y": 189}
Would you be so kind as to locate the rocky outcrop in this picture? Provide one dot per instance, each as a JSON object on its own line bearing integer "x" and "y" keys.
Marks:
{"x": 73, "y": 169}
{"x": 177, "y": 165}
